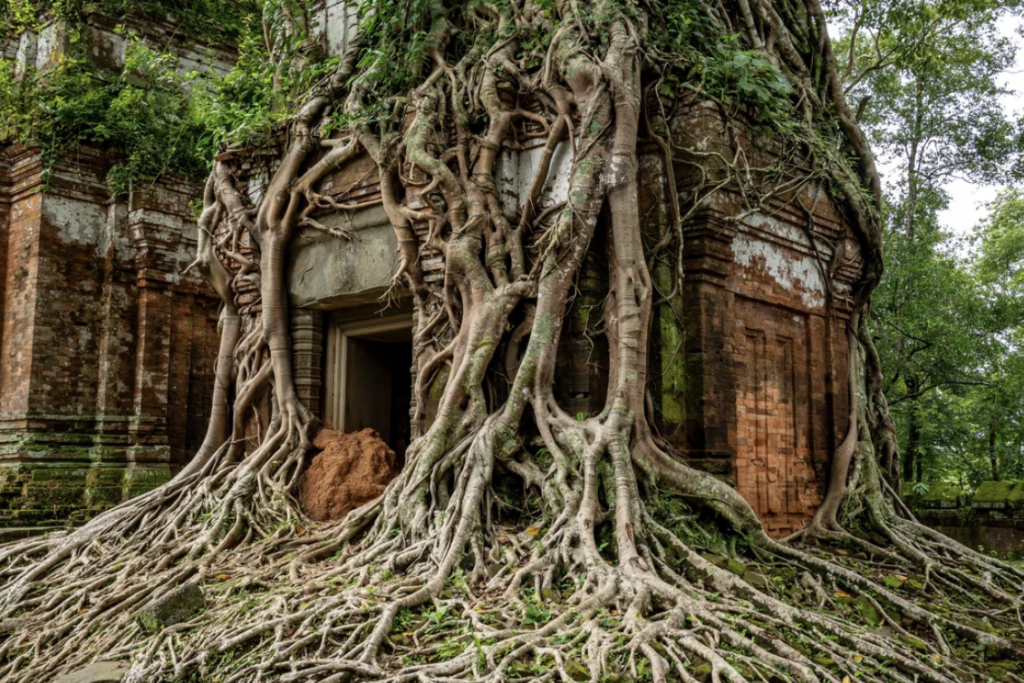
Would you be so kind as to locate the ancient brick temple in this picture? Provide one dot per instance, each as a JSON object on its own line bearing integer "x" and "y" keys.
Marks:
{"x": 106, "y": 347}
{"x": 749, "y": 364}
{"x": 754, "y": 382}
{"x": 107, "y": 350}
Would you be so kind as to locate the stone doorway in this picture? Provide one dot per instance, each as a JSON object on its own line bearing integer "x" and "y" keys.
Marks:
{"x": 369, "y": 380}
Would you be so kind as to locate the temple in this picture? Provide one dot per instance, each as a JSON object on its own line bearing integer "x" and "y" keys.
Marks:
{"x": 107, "y": 347}
{"x": 749, "y": 372}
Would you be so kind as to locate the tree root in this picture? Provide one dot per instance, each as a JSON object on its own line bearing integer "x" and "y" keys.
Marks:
{"x": 519, "y": 542}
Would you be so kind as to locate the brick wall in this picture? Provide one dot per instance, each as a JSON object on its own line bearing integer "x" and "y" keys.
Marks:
{"x": 107, "y": 350}
{"x": 750, "y": 375}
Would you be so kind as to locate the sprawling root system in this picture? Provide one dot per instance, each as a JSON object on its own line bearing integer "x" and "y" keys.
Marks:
{"x": 519, "y": 542}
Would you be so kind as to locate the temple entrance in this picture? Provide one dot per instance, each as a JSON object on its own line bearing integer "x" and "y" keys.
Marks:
{"x": 369, "y": 380}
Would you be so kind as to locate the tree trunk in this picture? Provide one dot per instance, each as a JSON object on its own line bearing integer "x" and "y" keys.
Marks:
{"x": 992, "y": 458}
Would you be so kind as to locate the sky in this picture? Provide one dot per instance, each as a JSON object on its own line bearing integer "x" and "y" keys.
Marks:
{"x": 967, "y": 200}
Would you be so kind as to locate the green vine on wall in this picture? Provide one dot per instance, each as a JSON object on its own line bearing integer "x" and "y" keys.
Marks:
{"x": 212, "y": 19}
{"x": 142, "y": 117}
{"x": 153, "y": 118}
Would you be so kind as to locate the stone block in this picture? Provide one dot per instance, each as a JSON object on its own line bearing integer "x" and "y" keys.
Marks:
{"x": 999, "y": 495}
{"x": 103, "y": 497}
{"x": 54, "y": 489}
{"x": 940, "y": 495}
{"x": 326, "y": 270}
{"x": 97, "y": 477}
{"x": 179, "y": 605}
{"x": 97, "y": 672}
{"x": 139, "y": 480}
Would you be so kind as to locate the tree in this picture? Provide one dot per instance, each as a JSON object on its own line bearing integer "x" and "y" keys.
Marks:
{"x": 401, "y": 590}
{"x": 927, "y": 76}
{"x": 948, "y": 317}
{"x": 937, "y": 331}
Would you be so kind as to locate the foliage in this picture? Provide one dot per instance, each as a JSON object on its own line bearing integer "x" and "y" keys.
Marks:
{"x": 1001, "y": 258}
{"x": 261, "y": 90}
{"x": 140, "y": 114}
{"x": 221, "y": 19}
{"x": 948, "y": 319}
{"x": 927, "y": 74}
{"x": 155, "y": 118}
{"x": 718, "y": 63}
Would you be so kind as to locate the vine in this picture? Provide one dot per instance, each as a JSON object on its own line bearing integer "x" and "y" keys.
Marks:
{"x": 153, "y": 118}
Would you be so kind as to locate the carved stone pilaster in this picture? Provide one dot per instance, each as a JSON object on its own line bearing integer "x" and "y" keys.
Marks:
{"x": 307, "y": 355}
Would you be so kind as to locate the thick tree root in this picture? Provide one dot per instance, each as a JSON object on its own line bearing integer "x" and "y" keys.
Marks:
{"x": 549, "y": 605}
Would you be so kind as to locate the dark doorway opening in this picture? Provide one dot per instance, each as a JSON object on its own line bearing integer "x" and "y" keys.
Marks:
{"x": 378, "y": 384}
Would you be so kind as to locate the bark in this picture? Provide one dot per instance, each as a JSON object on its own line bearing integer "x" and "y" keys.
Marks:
{"x": 912, "y": 458}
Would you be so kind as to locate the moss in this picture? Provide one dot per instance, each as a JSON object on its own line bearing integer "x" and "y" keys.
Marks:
{"x": 868, "y": 611}
{"x": 979, "y": 625}
{"x": 939, "y": 494}
{"x": 915, "y": 643}
{"x": 736, "y": 567}
{"x": 995, "y": 491}
{"x": 46, "y": 493}
{"x": 672, "y": 390}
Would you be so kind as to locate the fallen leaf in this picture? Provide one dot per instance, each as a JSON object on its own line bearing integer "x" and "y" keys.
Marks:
{"x": 858, "y": 658}
{"x": 846, "y": 679}
{"x": 82, "y": 611}
{"x": 299, "y": 529}
{"x": 408, "y": 634}
{"x": 502, "y": 539}
{"x": 533, "y": 531}
{"x": 479, "y": 608}
{"x": 937, "y": 658}
{"x": 843, "y": 594}
{"x": 221, "y": 577}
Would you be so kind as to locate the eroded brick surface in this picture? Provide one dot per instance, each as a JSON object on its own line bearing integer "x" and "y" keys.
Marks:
{"x": 107, "y": 351}
{"x": 751, "y": 378}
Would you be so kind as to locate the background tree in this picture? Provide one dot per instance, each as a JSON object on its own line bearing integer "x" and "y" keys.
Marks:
{"x": 927, "y": 76}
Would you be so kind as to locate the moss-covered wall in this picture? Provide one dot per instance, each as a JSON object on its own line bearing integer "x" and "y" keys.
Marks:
{"x": 992, "y": 519}
{"x": 34, "y": 494}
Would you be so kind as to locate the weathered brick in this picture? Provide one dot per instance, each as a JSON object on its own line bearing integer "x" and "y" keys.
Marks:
{"x": 106, "y": 350}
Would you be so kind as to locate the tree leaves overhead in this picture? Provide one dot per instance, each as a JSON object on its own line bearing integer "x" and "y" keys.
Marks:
{"x": 928, "y": 75}
{"x": 932, "y": 73}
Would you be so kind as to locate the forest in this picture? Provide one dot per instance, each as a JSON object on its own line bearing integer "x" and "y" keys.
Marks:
{"x": 521, "y": 541}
